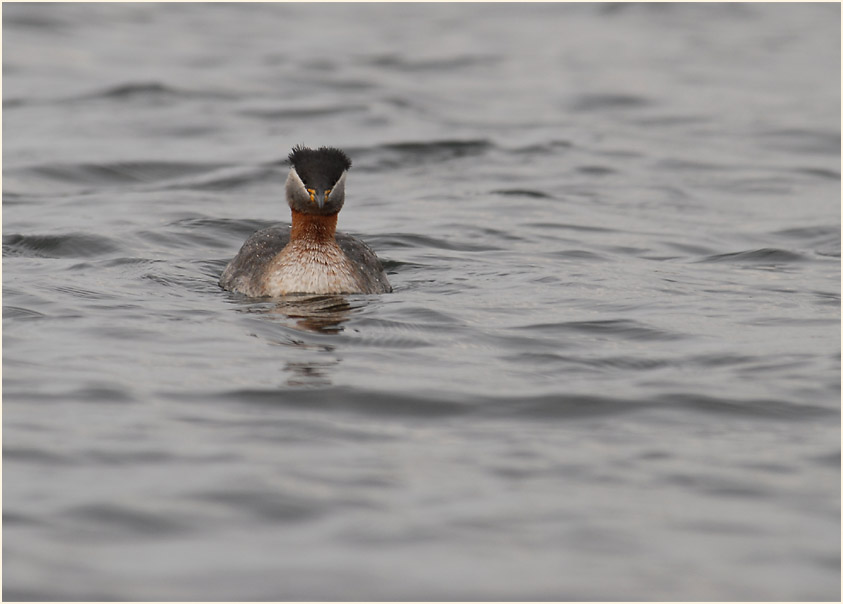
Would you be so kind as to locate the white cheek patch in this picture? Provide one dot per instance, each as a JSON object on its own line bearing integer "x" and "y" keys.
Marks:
{"x": 295, "y": 183}
{"x": 339, "y": 187}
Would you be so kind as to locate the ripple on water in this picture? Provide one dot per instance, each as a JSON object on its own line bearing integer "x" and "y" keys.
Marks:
{"x": 106, "y": 521}
{"x": 228, "y": 178}
{"x": 823, "y": 239}
{"x": 577, "y": 255}
{"x": 522, "y": 193}
{"x": 810, "y": 233}
{"x": 415, "y": 153}
{"x": 823, "y": 173}
{"x": 596, "y": 363}
{"x": 759, "y": 256}
{"x": 20, "y": 313}
{"x": 609, "y": 102}
{"x": 344, "y": 400}
{"x": 455, "y": 63}
{"x": 623, "y": 328}
{"x": 302, "y": 112}
{"x": 267, "y": 506}
{"x": 412, "y": 240}
{"x": 803, "y": 140}
{"x": 542, "y": 407}
{"x": 71, "y": 245}
{"x": 596, "y": 170}
{"x": 114, "y": 173}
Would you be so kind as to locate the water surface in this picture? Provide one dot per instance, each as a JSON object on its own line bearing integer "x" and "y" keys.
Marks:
{"x": 610, "y": 369}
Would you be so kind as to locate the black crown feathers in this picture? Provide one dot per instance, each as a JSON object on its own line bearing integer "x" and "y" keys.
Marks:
{"x": 325, "y": 156}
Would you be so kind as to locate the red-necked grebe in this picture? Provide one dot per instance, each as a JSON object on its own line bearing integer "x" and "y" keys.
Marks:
{"x": 309, "y": 257}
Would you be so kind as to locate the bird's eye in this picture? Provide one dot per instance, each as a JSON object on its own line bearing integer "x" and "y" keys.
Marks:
{"x": 328, "y": 192}
{"x": 312, "y": 194}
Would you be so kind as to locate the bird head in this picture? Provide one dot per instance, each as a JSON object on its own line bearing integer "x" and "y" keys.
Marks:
{"x": 316, "y": 183}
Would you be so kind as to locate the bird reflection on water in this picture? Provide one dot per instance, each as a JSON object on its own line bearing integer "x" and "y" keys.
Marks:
{"x": 314, "y": 313}
{"x": 319, "y": 314}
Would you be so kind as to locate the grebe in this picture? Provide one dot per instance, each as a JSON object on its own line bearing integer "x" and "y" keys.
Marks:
{"x": 309, "y": 257}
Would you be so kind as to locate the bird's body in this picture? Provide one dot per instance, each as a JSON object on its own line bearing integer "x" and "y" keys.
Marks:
{"x": 269, "y": 264}
{"x": 308, "y": 257}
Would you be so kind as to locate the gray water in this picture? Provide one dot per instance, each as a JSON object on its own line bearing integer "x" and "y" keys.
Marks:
{"x": 610, "y": 369}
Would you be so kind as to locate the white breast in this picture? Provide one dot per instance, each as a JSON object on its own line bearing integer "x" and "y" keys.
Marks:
{"x": 306, "y": 267}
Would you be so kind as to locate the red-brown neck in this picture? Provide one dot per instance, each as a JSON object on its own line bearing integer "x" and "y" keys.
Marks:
{"x": 312, "y": 227}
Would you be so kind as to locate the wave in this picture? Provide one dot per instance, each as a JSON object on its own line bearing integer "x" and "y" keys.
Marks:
{"x": 136, "y": 89}
{"x": 803, "y": 140}
{"x": 128, "y": 91}
{"x": 112, "y": 173}
{"x": 542, "y": 407}
{"x": 759, "y": 256}
{"x": 411, "y": 240}
{"x": 609, "y": 102}
{"x": 71, "y": 245}
{"x": 522, "y": 193}
{"x": 293, "y": 113}
{"x": 391, "y": 155}
{"x": 405, "y": 65}
{"x": 627, "y": 329}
